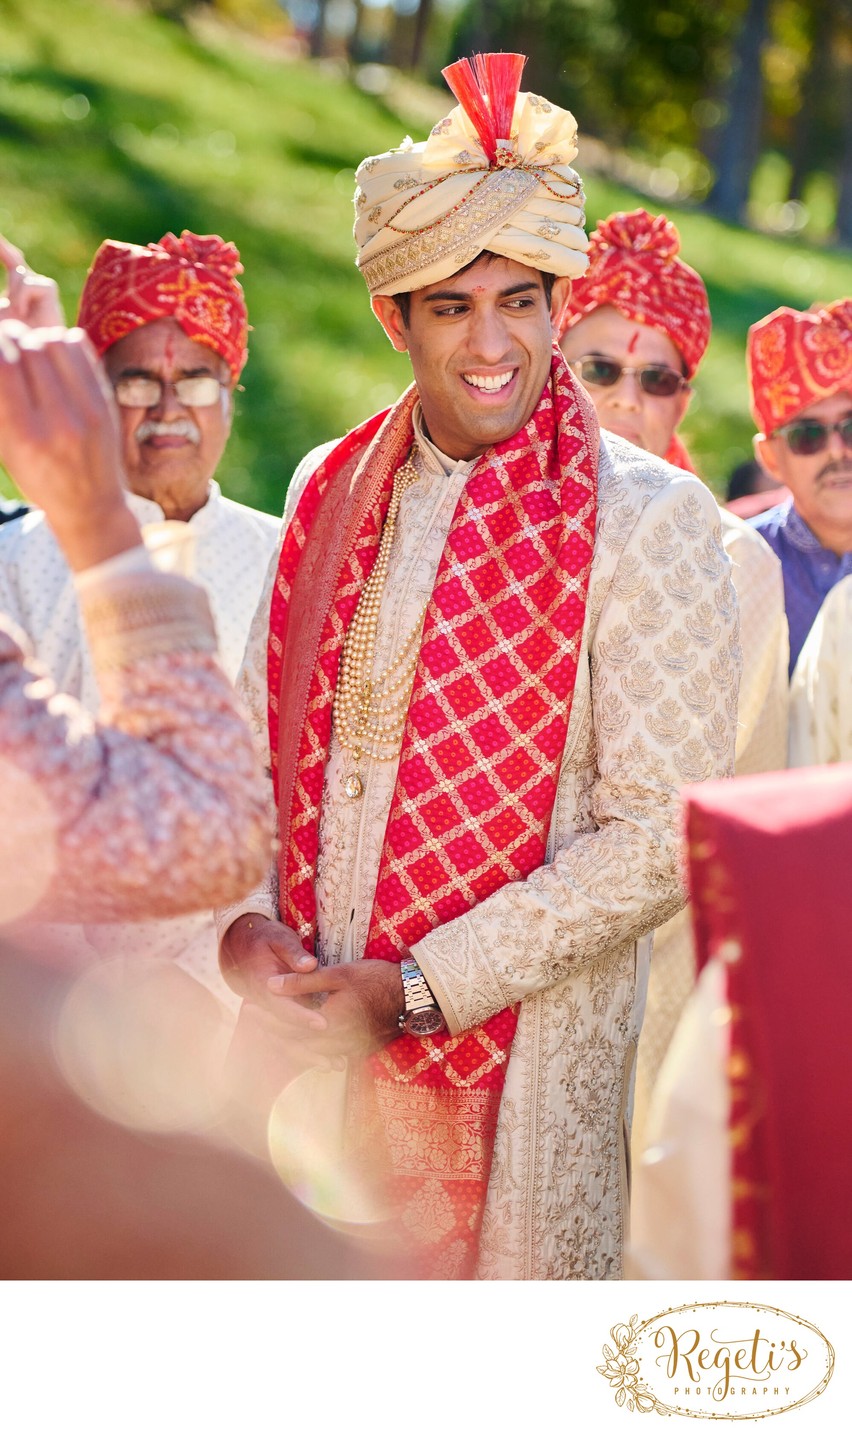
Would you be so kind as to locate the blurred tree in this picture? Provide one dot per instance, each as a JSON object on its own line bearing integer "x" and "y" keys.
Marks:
{"x": 318, "y": 28}
{"x": 631, "y": 73}
{"x": 814, "y": 88}
{"x": 843, "y": 54}
{"x": 739, "y": 139}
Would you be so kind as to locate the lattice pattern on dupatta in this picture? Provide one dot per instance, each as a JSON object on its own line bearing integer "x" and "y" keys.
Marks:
{"x": 480, "y": 755}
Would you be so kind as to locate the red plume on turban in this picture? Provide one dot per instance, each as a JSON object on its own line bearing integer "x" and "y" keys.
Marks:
{"x": 795, "y": 358}
{"x": 192, "y": 280}
{"x": 487, "y": 91}
{"x": 634, "y": 266}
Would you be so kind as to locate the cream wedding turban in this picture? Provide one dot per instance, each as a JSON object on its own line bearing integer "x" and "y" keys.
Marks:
{"x": 424, "y": 211}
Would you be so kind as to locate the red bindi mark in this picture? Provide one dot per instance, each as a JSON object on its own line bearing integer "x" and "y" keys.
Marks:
{"x": 169, "y": 351}
{"x": 633, "y": 343}
{"x": 478, "y": 290}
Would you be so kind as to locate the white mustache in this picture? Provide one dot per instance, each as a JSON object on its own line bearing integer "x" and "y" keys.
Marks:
{"x": 185, "y": 428}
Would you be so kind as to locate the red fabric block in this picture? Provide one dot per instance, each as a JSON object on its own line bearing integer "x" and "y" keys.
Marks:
{"x": 576, "y": 554}
{"x": 427, "y": 874}
{"x": 504, "y": 829}
{"x": 528, "y": 709}
{"x": 427, "y": 716}
{"x": 516, "y": 769}
{"x": 478, "y": 794}
{"x": 451, "y": 755}
{"x": 523, "y": 558}
{"x": 475, "y": 637}
{"x": 415, "y": 776}
{"x": 403, "y": 834}
{"x": 551, "y": 739}
{"x": 451, "y": 597}
{"x": 510, "y": 616}
{"x": 450, "y": 906}
{"x": 466, "y": 853}
{"x": 539, "y": 799}
{"x": 490, "y": 735}
{"x": 502, "y": 524}
{"x": 536, "y": 650}
{"x": 463, "y": 696}
{"x": 501, "y": 675}
{"x": 487, "y": 579}
{"x": 392, "y": 894}
{"x": 440, "y": 814}
{"x": 466, "y": 542}
{"x": 438, "y": 657}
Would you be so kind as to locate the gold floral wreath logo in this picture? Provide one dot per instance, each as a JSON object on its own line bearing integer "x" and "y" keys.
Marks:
{"x": 622, "y": 1370}
{"x": 726, "y": 1360}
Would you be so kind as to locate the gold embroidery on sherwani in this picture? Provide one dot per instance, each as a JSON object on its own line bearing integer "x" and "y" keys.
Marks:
{"x": 556, "y": 1203}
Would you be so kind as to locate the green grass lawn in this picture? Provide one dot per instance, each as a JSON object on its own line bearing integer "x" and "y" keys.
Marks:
{"x": 115, "y": 123}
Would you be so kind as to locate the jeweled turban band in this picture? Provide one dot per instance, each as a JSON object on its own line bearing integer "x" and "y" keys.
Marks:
{"x": 495, "y": 174}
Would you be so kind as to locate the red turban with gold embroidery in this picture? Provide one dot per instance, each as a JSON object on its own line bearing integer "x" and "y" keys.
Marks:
{"x": 797, "y": 357}
{"x": 192, "y": 280}
{"x": 634, "y": 266}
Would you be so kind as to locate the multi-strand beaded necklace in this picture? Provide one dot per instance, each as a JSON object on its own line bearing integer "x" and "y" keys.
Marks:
{"x": 370, "y": 708}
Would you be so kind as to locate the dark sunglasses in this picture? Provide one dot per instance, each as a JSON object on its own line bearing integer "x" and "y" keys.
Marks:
{"x": 809, "y": 436}
{"x": 655, "y": 379}
{"x": 196, "y": 391}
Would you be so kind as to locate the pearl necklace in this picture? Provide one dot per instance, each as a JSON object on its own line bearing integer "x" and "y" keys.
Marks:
{"x": 370, "y": 709}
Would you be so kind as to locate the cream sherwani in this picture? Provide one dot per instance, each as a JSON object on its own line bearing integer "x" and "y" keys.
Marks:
{"x": 232, "y": 546}
{"x": 821, "y": 687}
{"x": 761, "y": 747}
{"x": 654, "y": 707}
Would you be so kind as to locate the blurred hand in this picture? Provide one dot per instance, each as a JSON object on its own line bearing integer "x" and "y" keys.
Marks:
{"x": 256, "y": 949}
{"x": 362, "y": 1006}
{"x": 33, "y": 299}
{"x": 59, "y": 440}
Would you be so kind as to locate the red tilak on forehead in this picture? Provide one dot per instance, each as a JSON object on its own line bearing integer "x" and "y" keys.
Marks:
{"x": 169, "y": 352}
{"x": 478, "y": 290}
{"x": 633, "y": 343}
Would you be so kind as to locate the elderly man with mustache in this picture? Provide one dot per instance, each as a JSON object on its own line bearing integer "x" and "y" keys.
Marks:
{"x": 800, "y": 376}
{"x": 170, "y": 323}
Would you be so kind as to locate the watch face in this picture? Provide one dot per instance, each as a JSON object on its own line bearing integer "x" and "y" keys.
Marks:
{"x": 427, "y": 1021}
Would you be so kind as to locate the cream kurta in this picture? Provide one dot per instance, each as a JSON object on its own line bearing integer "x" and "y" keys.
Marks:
{"x": 821, "y": 687}
{"x": 654, "y": 708}
{"x": 232, "y": 546}
{"x": 761, "y": 747}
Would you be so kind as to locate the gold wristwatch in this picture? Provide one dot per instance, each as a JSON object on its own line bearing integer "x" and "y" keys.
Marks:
{"x": 421, "y": 1015}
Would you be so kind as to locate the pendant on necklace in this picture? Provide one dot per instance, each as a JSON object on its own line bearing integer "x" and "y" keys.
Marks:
{"x": 353, "y": 786}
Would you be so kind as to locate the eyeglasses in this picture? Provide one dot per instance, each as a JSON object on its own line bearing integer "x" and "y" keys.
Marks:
{"x": 196, "y": 391}
{"x": 655, "y": 379}
{"x": 810, "y": 436}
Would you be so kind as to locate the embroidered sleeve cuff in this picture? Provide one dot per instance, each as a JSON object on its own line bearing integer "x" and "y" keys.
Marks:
{"x": 137, "y": 616}
{"x": 466, "y": 989}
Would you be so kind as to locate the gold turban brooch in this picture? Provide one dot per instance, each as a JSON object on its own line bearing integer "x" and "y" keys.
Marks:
{"x": 495, "y": 174}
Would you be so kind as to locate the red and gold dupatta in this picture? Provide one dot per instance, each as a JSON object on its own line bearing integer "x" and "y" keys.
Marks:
{"x": 480, "y": 755}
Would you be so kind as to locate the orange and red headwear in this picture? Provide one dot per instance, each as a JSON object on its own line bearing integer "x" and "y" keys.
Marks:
{"x": 795, "y": 358}
{"x": 192, "y": 280}
{"x": 634, "y": 266}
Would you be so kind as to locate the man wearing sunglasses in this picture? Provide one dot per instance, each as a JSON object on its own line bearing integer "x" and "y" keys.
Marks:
{"x": 170, "y": 323}
{"x": 800, "y": 374}
{"x": 638, "y": 324}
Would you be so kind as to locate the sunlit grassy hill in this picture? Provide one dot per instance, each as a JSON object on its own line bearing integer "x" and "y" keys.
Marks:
{"x": 113, "y": 122}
